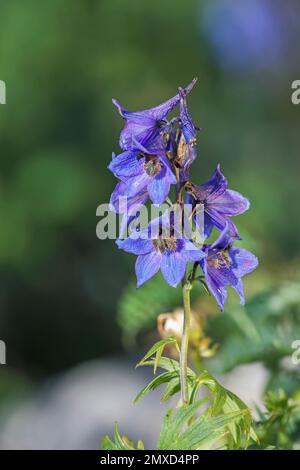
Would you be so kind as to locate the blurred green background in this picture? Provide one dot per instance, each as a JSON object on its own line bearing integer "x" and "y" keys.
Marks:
{"x": 63, "y": 61}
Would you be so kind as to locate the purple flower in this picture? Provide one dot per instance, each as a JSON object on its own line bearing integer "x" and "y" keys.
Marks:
{"x": 218, "y": 202}
{"x": 186, "y": 124}
{"x": 225, "y": 265}
{"x": 161, "y": 246}
{"x": 127, "y": 206}
{"x": 143, "y": 172}
{"x": 147, "y": 126}
{"x": 186, "y": 151}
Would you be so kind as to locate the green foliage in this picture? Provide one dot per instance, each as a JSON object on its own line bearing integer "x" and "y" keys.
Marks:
{"x": 171, "y": 377}
{"x": 157, "y": 350}
{"x": 120, "y": 442}
{"x": 226, "y": 421}
{"x": 263, "y": 330}
{"x": 223, "y": 402}
{"x": 205, "y": 432}
{"x": 279, "y": 425}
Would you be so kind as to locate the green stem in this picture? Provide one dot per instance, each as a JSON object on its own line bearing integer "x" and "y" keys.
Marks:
{"x": 186, "y": 289}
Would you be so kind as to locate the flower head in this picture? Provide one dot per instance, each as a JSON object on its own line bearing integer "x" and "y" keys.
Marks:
{"x": 160, "y": 246}
{"x": 147, "y": 126}
{"x": 144, "y": 172}
{"x": 219, "y": 203}
{"x": 225, "y": 265}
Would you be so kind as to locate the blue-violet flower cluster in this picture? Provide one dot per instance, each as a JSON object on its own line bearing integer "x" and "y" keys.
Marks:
{"x": 154, "y": 162}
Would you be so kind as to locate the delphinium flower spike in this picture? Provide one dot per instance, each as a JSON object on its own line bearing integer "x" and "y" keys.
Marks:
{"x": 157, "y": 153}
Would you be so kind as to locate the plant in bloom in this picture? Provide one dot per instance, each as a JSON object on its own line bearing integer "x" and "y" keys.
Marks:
{"x": 158, "y": 153}
{"x": 156, "y": 156}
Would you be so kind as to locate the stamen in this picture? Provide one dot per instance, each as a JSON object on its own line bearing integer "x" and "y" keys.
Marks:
{"x": 152, "y": 165}
{"x": 165, "y": 244}
{"x": 219, "y": 260}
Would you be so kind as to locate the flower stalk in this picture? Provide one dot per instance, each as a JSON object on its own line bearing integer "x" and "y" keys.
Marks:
{"x": 186, "y": 290}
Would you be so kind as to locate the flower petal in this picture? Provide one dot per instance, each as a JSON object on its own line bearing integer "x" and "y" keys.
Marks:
{"x": 243, "y": 261}
{"x": 190, "y": 155}
{"x": 220, "y": 221}
{"x": 169, "y": 172}
{"x": 230, "y": 203}
{"x": 192, "y": 252}
{"x": 213, "y": 188}
{"x": 240, "y": 290}
{"x": 173, "y": 267}
{"x": 137, "y": 184}
{"x": 146, "y": 266}
{"x": 217, "y": 290}
{"x": 161, "y": 111}
{"x": 224, "y": 240}
{"x": 126, "y": 164}
{"x": 137, "y": 246}
{"x": 139, "y": 125}
{"x": 121, "y": 202}
{"x": 187, "y": 126}
{"x": 159, "y": 187}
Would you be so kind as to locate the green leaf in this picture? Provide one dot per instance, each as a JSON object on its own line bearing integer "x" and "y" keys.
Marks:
{"x": 202, "y": 433}
{"x": 108, "y": 444}
{"x": 171, "y": 377}
{"x": 157, "y": 349}
{"x": 226, "y": 402}
{"x": 172, "y": 427}
{"x": 140, "y": 445}
{"x": 170, "y": 365}
{"x": 121, "y": 443}
{"x": 156, "y": 382}
{"x": 239, "y": 431}
{"x": 172, "y": 387}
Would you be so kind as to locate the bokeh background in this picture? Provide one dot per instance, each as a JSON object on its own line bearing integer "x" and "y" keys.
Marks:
{"x": 60, "y": 291}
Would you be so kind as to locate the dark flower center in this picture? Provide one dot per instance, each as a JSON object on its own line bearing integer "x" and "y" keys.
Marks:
{"x": 163, "y": 244}
{"x": 152, "y": 165}
{"x": 219, "y": 260}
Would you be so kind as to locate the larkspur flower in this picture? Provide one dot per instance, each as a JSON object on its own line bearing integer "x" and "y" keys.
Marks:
{"x": 143, "y": 172}
{"x": 225, "y": 265}
{"x": 186, "y": 140}
{"x": 218, "y": 203}
{"x": 148, "y": 125}
{"x": 161, "y": 246}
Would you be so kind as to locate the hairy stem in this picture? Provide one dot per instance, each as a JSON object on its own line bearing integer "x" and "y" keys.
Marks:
{"x": 186, "y": 289}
